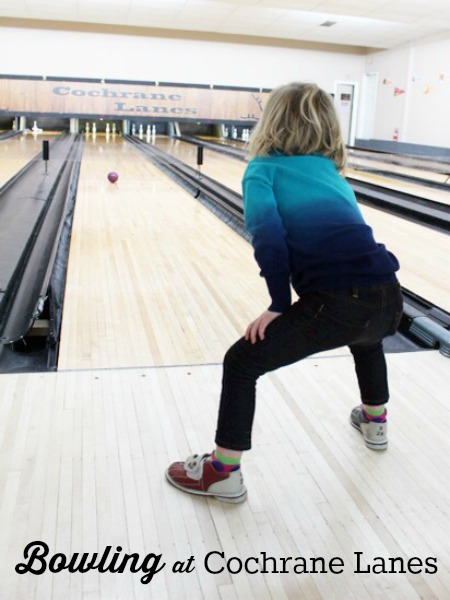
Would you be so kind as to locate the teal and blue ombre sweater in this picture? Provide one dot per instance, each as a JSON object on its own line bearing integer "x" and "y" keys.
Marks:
{"x": 307, "y": 229}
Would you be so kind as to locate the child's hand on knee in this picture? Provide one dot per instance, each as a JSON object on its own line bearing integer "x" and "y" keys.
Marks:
{"x": 256, "y": 329}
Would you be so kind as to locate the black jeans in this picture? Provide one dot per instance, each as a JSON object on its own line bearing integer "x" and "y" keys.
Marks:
{"x": 358, "y": 317}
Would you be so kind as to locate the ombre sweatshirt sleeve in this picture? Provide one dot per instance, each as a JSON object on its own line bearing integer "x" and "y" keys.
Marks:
{"x": 263, "y": 222}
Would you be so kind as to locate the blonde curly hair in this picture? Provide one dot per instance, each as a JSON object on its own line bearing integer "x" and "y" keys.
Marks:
{"x": 299, "y": 118}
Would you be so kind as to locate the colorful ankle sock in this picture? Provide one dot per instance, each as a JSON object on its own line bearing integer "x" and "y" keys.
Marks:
{"x": 377, "y": 415}
{"x": 225, "y": 464}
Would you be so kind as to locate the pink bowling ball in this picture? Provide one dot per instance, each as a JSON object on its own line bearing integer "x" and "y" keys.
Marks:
{"x": 113, "y": 177}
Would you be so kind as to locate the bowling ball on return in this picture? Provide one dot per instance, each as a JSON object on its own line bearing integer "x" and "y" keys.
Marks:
{"x": 113, "y": 177}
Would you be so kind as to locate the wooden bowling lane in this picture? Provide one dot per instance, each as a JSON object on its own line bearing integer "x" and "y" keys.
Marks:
{"x": 154, "y": 278}
{"x": 16, "y": 152}
{"x": 422, "y": 251}
{"x": 361, "y": 162}
{"x": 212, "y": 168}
{"x": 390, "y": 183}
{"x": 222, "y": 168}
{"x": 356, "y": 171}
{"x": 423, "y": 254}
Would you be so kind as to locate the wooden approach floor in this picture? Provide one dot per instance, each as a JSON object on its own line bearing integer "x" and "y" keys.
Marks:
{"x": 82, "y": 460}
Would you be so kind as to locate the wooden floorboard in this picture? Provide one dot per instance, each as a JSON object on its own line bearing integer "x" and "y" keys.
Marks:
{"x": 82, "y": 460}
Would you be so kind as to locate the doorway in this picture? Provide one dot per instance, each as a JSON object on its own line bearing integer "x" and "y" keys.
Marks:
{"x": 366, "y": 123}
{"x": 344, "y": 100}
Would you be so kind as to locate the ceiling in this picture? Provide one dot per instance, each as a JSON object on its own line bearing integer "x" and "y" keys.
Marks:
{"x": 363, "y": 23}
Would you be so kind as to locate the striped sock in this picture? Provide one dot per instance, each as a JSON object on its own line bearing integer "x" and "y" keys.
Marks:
{"x": 224, "y": 464}
{"x": 377, "y": 414}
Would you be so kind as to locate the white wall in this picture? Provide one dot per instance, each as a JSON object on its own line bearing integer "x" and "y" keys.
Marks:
{"x": 428, "y": 114}
{"x": 112, "y": 56}
{"x": 413, "y": 93}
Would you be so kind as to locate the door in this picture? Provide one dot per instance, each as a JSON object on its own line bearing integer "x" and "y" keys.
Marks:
{"x": 366, "y": 124}
{"x": 344, "y": 101}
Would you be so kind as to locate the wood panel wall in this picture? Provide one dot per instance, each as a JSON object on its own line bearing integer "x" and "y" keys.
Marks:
{"x": 22, "y": 96}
